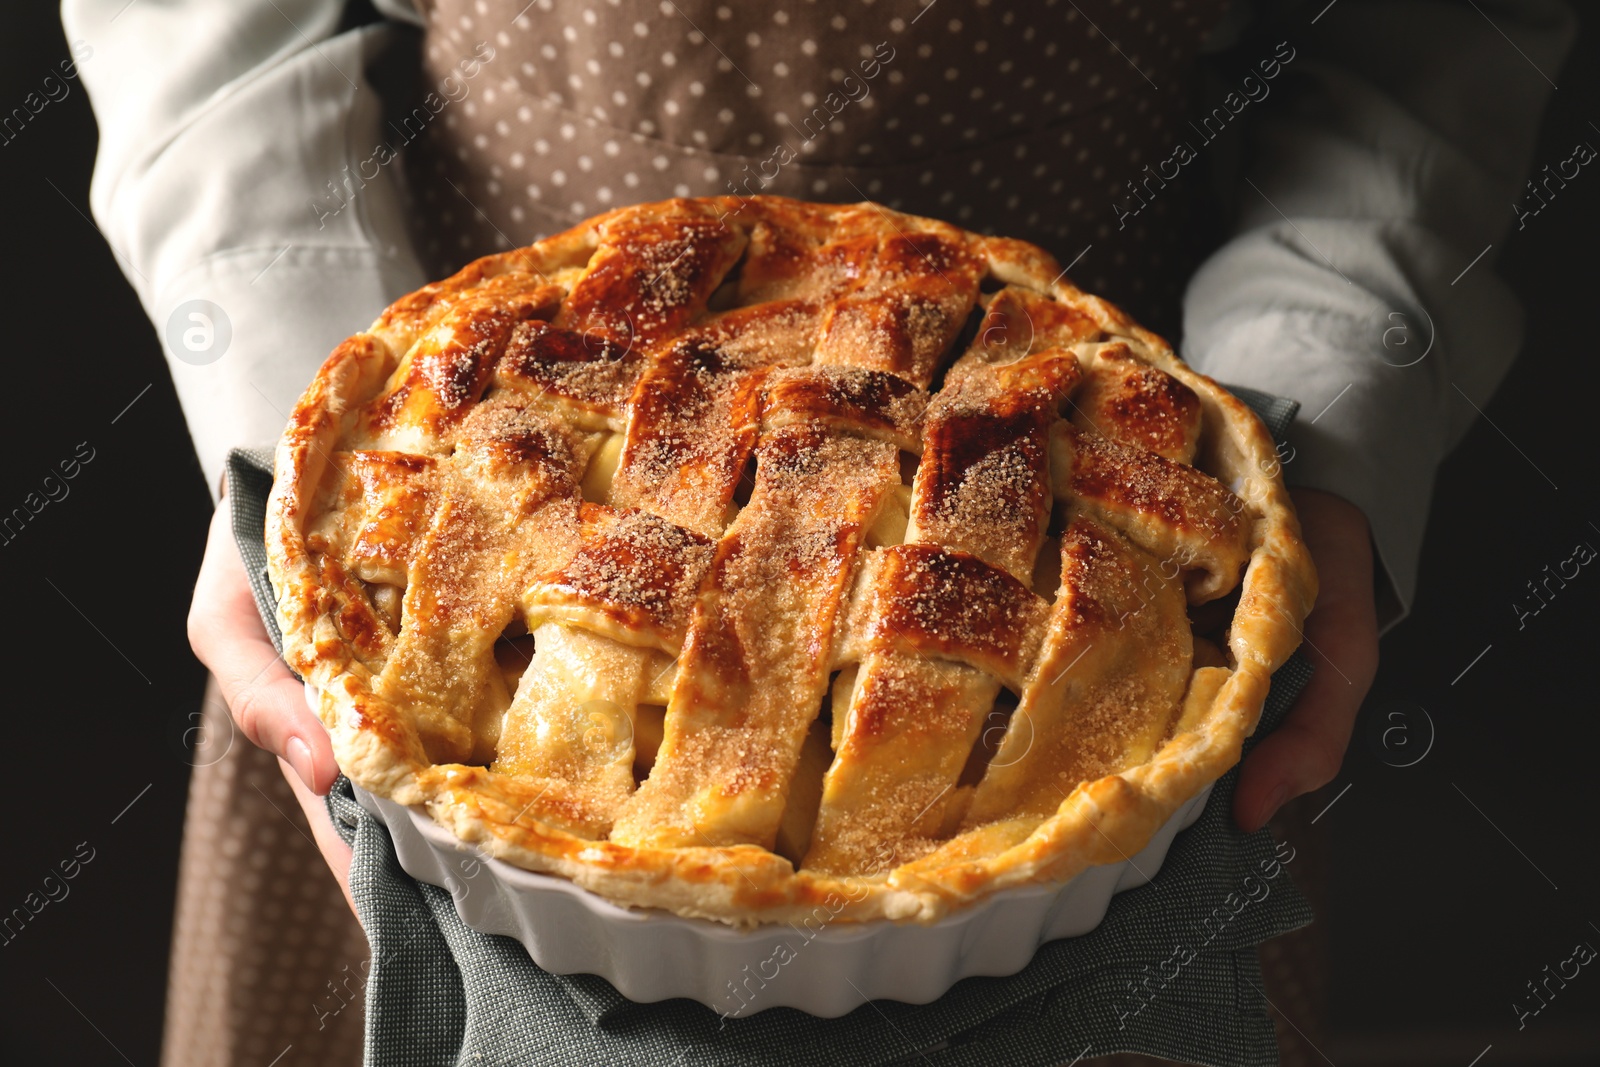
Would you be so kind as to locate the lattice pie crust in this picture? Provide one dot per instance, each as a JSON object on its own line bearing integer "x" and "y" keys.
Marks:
{"x": 740, "y": 557}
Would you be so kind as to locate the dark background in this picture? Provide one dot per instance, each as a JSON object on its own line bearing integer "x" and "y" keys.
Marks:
{"x": 100, "y": 676}
{"x": 1454, "y": 881}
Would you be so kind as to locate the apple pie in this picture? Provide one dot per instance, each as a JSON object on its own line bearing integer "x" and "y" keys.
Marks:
{"x": 732, "y": 556}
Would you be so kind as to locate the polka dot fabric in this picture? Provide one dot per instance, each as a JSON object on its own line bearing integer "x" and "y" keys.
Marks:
{"x": 265, "y": 952}
{"x": 1021, "y": 118}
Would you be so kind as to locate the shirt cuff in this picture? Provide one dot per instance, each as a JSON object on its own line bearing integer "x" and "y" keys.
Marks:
{"x": 1376, "y": 366}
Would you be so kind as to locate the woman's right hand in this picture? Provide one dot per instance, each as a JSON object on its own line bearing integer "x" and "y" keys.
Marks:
{"x": 267, "y": 702}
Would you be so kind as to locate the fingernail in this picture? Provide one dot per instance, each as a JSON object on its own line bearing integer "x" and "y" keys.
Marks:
{"x": 298, "y": 753}
{"x": 1274, "y": 802}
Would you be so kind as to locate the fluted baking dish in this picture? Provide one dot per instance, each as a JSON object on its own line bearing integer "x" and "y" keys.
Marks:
{"x": 820, "y": 966}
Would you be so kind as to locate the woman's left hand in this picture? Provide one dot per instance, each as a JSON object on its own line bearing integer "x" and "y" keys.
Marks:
{"x": 1341, "y": 639}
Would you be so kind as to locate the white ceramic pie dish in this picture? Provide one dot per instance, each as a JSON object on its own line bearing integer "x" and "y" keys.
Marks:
{"x": 824, "y": 968}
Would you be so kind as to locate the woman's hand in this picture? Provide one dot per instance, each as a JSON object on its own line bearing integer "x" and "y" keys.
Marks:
{"x": 267, "y": 702}
{"x": 1341, "y": 639}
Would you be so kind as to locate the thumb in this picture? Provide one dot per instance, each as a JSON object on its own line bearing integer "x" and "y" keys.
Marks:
{"x": 272, "y": 712}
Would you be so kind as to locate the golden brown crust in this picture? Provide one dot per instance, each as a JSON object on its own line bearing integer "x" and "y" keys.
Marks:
{"x": 1192, "y": 522}
{"x": 1131, "y": 402}
{"x": 609, "y": 440}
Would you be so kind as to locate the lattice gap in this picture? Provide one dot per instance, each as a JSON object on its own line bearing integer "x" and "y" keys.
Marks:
{"x": 963, "y": 341}
{"x": 513, "y": 652}
{"x": 1211, "y": 620}
{"x": 805, "y": 786}
{"x": 649, "y": 724}
{"x": 1047, "y": 564}
{"x": 747, "y": 482}
{"x": 602, "y": 468}
{"x": 908, "y": 467}
{"x": 386, "y": 601}
{"x": 1047, "y": 569}
{"x": 995, "y": 724}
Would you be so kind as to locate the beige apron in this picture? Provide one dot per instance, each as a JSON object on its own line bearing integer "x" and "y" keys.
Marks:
{"x": 1017, "y": 118}
{"x": 1021, "y": 119}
